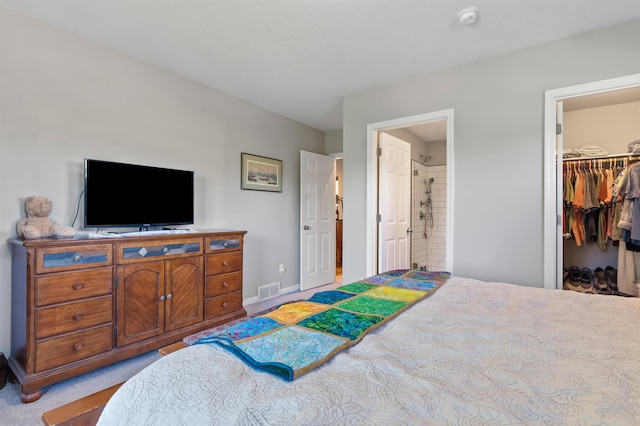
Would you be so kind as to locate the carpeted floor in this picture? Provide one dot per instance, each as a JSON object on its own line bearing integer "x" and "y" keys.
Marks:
{"x": 13, "y": 412}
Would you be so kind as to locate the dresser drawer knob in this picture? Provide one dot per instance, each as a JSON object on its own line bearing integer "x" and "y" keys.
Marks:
{"x": 77, "y": 346}
{"x": 162, "y": 297}
{"x": 169, "y": 296}
{"x": 77, "y": 286}
{"x": 225, "y": 305}
{"x": 165, "y": 249}
{"x": 225, "y": 284}
{"x": 225, "y": 263}
{"x": 225, "y": 244}
{"x": 77, "y": 257}
{"x": 77, "y": 317}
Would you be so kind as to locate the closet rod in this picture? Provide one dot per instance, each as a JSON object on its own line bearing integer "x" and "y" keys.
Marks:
{"x": 601, "y": 157}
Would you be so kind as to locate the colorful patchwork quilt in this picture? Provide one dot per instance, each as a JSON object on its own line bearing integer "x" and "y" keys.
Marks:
{"x": 300, "y": 336}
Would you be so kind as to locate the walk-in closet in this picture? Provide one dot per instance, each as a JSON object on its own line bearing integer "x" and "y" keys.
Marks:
{"x": 601, "y": 148}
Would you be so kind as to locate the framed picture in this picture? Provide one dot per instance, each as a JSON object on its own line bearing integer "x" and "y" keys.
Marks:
{"x": 261, "y": 173}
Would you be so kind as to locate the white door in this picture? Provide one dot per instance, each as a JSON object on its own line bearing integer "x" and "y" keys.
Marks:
{"x": 394, "y": 230}
{"x": 317, "y": 220}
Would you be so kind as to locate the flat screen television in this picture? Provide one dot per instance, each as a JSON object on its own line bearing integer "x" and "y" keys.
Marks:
{"x": 129, "y": 195}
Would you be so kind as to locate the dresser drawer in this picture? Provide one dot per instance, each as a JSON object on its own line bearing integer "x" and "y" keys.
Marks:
{"x": 68, "y": 259}
{"x": 218, "y": 285}
{"x": 64, "y": 350}
{"x": 222, "y": 305}
{"x": 224, "y": 244}
{"x": 73, "y": 316}
{"x": 224, "y": 263}
{"x": 156, "y": 250}
{"x": 69, "y": 286}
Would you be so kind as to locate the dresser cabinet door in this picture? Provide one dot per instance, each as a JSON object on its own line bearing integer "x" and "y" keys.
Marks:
{"x": 184, "y": 292}
{"x": 140, "y": 293}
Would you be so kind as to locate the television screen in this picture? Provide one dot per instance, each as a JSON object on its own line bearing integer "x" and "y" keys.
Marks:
{"x": 129, "y": 195}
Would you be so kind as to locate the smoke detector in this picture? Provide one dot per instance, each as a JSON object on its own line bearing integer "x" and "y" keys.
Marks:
{"x": 468, "y": 15}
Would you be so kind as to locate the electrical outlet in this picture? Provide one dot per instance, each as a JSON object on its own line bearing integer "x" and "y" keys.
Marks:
{"x": 282, "y": 269}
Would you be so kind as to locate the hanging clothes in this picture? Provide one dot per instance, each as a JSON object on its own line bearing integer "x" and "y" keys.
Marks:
{"x": 593, "y": 196}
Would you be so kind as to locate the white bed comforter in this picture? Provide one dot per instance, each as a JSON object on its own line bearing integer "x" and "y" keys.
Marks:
{"x": 472, "y": 353}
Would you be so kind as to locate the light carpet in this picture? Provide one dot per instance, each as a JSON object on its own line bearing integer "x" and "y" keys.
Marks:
{"x": 13, "y": 412}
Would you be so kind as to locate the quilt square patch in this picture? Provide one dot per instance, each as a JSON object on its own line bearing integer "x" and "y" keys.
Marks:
{"x": 293, "y": 346}
{"x": 396, "y": 272}
{"x": 357, "y": 287}
{"x": 244, "y": 330}
{"x": 413, "y": 284}
{"x": 376, "y": 279}
{"x": 393, "y": 293}
{"x": 291, "y": 313}
{"x": 372, "y": 306}
{"x": 341, "y": 323}
{"x": 437, "y": 276}
{"x": 329, "y": 297}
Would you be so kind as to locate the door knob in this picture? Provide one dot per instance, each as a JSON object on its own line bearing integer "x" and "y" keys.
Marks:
{"x": 306, "y": 228}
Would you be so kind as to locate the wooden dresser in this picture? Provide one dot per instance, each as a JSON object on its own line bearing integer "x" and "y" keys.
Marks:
{"x": 82, "y": 304}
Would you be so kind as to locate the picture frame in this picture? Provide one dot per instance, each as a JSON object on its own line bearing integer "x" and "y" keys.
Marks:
{"x": 260, "y": 173}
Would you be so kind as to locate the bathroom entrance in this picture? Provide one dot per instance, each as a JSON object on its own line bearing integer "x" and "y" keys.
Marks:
{"x": 428, "y": 215}
{"x": 438, "y": 146}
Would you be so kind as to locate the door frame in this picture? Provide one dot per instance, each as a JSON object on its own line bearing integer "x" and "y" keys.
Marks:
{"x": 552, "y": 262}
{"x": 372, "y": 181}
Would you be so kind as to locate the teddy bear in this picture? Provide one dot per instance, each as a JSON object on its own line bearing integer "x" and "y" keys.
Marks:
{"x": 37, "y": 224}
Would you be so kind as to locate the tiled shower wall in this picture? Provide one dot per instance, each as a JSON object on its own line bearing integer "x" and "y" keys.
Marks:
{"x": 429, "y": 252}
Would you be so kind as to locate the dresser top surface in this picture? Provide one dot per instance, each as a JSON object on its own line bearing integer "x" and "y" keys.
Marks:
{"x": 92, "y": 238}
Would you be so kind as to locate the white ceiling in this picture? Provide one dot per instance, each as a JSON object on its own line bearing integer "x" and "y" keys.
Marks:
{"x": 299, "y": 58}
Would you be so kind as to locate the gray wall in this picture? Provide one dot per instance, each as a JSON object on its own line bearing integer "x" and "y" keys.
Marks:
{"x": 333, "y": 142}
{"x": 498, "y": 147}
{"x": 63, "y": 99}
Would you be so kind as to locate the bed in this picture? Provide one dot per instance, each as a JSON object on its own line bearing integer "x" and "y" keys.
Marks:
{"x": 473, "y": 352}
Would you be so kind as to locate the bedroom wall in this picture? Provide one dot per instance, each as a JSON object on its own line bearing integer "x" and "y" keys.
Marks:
{"x": 63, "y": 99}
{"x": 498, "y": 147}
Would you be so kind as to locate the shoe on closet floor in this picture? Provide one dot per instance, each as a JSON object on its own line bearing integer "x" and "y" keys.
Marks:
{"x": 575, "y": 276}
{"x": 612, "y": 278}
{"x": 586, "y": 279}
{"x": 600, "y": 281}
{"x": 573, "y": 280}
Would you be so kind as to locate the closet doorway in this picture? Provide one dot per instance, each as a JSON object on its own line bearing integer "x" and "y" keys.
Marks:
{"x": 590, "y": 95}
{"x": 417, "y": 129}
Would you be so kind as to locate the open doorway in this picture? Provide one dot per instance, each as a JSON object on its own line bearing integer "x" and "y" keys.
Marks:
{"x": 428, "y": 192}
{"x": 553, "y": 202}
{"x": 339, "y": 217}
{"x": 442, "y": 122}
